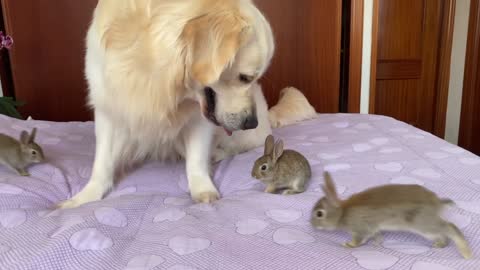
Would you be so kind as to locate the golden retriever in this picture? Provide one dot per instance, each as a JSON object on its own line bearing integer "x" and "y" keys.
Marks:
{"x": 163, "y": 75}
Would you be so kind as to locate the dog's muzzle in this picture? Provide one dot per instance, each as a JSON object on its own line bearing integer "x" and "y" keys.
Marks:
{"x": 249, "y": 122}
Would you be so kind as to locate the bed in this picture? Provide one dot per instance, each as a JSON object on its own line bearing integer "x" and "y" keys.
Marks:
{"x": 149, "y": 222}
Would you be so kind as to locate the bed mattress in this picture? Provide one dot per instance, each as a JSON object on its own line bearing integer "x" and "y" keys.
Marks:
{"x": 148, "y": 220}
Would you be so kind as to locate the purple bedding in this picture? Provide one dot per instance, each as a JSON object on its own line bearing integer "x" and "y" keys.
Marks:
{"x": 149, "y": 222}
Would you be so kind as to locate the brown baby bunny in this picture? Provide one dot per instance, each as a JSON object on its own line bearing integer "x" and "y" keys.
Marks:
{"x": 282, "y": 169}
{"x": 18, "y": 155}
{"x": 409, "y": 208}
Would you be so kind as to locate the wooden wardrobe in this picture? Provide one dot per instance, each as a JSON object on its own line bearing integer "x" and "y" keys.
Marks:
{"x": 47, "y": 59}
{"x": 412, "y": 42}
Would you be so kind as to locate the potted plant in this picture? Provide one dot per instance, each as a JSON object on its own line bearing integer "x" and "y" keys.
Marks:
{"x": 8, "y": 105}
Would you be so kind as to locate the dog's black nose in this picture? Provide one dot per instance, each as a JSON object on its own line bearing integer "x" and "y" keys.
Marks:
{"x": 251, "y": 122}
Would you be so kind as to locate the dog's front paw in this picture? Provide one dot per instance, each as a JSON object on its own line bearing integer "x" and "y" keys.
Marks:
{"x": 85, "y": 196}
{"x": 206, "y": 197}
{"x": 203, "y": 190}
{"x": 68, "y": 204}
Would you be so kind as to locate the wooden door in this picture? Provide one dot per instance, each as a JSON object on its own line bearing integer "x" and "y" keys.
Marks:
{"x": 47, "y": 57}
{"x": 470, "y": 117}
{"x": 308, "y": 36}
{"x": 407, "y": 55}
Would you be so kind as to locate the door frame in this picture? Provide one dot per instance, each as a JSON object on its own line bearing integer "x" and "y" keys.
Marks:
{"x": 356, "y": 57}
{"x": 471, "y": 83}
{"x": 443, "y": 72}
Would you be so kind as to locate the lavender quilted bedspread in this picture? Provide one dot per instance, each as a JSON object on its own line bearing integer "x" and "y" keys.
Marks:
{"x": 149, "y": 222}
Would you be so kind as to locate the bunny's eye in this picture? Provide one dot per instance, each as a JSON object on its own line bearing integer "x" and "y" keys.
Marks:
{"x": 320, "y": 214}
{"x": 34, "y": 152}
{"x": 264, "y": 167}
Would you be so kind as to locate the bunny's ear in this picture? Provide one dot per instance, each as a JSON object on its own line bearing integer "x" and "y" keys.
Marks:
{"x": 277, "y": 150}
{"x": 31, "y": 139}
{"x": 330, "y": 191}
{"x": 269, "y": 143}
{"x": 24, "y": 137}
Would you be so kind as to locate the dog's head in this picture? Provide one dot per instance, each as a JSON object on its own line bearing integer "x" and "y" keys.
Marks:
{"x": 228, "y": 50}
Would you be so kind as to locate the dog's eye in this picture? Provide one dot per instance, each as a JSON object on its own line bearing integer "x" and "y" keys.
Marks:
{"x": 320, "y": 214}
{"x": 264, "y": 167}
{"x": 245, "y": 78}
{"x": 34, "y": 152}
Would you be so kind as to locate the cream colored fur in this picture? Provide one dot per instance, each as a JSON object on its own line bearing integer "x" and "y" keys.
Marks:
{"x": 291, "y": 108}
{"x": 148, "y": 65}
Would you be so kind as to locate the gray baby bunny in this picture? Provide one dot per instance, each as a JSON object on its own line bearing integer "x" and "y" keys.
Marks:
{"x": 409, "y": 208}
{"x": 282, "y": 169}
{"x": 18, "y": 155}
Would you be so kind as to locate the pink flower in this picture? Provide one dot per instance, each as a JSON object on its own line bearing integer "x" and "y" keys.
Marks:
{"x": 5, "y": 41}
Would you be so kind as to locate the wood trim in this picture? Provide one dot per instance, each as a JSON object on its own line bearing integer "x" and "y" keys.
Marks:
{"x": 443, "y": 77}
{"x": 470, "y": 82}
{"x": 356, "y": 50}
{"x": 373, "y": 59}
{"x": 393, "y": 69}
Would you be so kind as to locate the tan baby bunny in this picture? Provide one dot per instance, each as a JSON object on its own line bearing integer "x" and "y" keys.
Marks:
{"x": 18, "y": 155}
{"x": 409, "y": 208}
{"x": 282, "y": 169}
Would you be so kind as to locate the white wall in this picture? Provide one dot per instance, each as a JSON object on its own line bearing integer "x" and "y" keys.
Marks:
{"x": 460, "y": 33}
{"x": 457, "y": 65}
{"x": 366, "y": 56}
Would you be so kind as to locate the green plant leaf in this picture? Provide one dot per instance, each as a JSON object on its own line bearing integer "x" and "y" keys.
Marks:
{"x": 13, "y": 112}
{"x": 8, "y": 107}
{"x": 3, "y": 110}
{"x": 17, "y": 103}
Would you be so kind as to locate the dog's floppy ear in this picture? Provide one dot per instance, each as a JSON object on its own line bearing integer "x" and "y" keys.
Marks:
{"x": 213, "y": 40}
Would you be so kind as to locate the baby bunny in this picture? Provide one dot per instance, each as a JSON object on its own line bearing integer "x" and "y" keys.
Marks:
{"x": 17, "y": 155}
{"x": 409, "y": 208}
{"x": 281, "y": 169}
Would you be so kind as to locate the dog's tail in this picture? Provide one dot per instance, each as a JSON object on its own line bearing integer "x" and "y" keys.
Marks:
{"x": 292, "y": 107}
